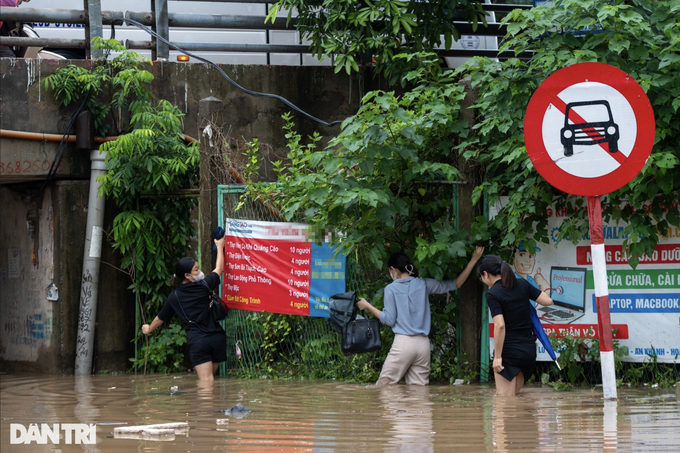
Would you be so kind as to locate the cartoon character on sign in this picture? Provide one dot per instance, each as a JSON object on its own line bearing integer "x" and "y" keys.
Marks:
{"x": 524, "y": 264}
{"x": 599, "y": 129}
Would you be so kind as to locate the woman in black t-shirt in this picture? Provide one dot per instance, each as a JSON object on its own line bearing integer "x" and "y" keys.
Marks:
{"x": 190, "y": 300}
{"x": 509, "y": 300}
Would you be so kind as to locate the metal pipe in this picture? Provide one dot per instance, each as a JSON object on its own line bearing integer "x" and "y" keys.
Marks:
{"x": 302, "y": 48}
{"x": 42, "y": 42}
{"x": 281, "y": 23}
{"x": 89, "y": 283}
{"x": 225, "y": 47}
{"x": 35, "y": 136}
{"x": 215, "y": 21}
{"x": 485, "y": 6}
{"x": 58, "y": 137}
{"x": 61, "y": 16}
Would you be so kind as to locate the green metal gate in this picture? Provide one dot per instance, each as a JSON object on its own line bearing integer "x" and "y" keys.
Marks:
{"x": 270, "y": 341}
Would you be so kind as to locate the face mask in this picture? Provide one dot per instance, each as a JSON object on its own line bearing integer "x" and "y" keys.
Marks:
{"x": 392, "y": 275}
{"x": 199, "y": 277}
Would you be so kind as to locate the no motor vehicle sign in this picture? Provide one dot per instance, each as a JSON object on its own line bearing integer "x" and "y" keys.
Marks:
{"x": 589, "y": 129}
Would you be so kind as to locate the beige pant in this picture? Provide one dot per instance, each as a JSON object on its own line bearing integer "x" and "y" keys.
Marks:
{"x": 409, "y": 358}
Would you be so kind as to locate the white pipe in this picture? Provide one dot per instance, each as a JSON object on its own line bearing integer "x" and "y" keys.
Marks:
{"x": 89, "y": 282}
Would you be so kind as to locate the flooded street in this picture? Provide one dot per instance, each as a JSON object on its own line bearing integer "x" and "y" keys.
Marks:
{"x": 305, "y": 416}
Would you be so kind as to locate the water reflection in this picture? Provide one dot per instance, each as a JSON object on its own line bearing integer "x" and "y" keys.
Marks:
{"x": 407, "y": 418}
{"x": 333, "y": 417}
{"x": 514, "y": 425}
{"x": 85, "y": 411}
{"x": 610, "y": 426}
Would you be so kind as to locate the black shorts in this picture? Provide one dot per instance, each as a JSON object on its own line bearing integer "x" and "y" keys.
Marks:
{"x": 518, "y": 356}
{"x": 208, "y": 348}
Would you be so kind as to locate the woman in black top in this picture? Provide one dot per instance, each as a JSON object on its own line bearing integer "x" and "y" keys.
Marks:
{"x": 509, "y": 300}
{"x": 190, "y": 299}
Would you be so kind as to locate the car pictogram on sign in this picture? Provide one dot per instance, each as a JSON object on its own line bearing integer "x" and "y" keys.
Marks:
{"x": 600, "y": 128}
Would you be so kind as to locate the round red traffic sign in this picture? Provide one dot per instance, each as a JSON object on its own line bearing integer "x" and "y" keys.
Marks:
{"x": 589, "y": 129}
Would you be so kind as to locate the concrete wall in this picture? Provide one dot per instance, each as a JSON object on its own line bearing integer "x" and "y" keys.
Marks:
{"x": 26, "y": 269}
{"x": 40, "y": 335}
{"x": 42, "y": 235}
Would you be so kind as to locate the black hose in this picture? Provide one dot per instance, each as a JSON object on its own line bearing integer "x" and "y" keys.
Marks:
{"x": 62, "y": 145}
{"x": 245, "y": 90}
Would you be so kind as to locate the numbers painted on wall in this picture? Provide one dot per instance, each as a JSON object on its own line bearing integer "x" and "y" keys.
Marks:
{"x": 27, "y": 167}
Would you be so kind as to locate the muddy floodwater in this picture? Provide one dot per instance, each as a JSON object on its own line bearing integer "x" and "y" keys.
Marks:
{"x": 308, "y": 416}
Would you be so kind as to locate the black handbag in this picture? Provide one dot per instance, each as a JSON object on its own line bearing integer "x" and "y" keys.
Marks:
{"x": 361, "y": 335}
{"x": 220, "y": 311}
{"x": 342, "y": 309}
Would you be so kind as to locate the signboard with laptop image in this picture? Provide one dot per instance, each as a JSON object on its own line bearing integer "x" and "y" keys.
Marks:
{"x": 644, "y": 302}
{"x": 568, "y": 292}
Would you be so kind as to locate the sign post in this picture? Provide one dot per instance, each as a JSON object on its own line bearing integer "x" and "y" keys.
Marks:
{"x": 602, "y": 297}
{"x": 589, "y": 130}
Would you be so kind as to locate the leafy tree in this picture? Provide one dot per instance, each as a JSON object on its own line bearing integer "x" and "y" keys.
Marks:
{"x": 380, "y": 182}
{"x": 371, "y": 182}
{"x": 365, "y": 30}
{"x": 145, "y": 163}
{"x": 642, "y": 38}
{"x": 383, "y": 182}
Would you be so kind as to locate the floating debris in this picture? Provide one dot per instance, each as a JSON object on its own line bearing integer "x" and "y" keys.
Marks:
{"x": 162, "y": 432}
{"x": 237, "y": 411}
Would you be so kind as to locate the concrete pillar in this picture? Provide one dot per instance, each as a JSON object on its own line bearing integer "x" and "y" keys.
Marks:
{"x": 208, "y": 110}
{"x": 94, "y": 27}
{"x": 159, "y": 9}
{"x": 89, "y": 283}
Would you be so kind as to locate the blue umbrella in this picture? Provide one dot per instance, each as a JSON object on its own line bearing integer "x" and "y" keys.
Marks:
{"x": 542, "y": 337}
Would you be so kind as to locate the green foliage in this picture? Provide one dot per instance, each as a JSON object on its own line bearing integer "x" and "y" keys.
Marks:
{"x": 276, "y": 329}
{"x": 165, "y": 351}
{"x": 642, "y": 38}
{"x": 369, "y": 182}
{"x": 152, "y": 159}
{"x": 149, "y": 160}
{"x": 650, "y": 372}
{"x": 574, "y": 353}
{"x": 578, "y": 357}
{"x": 580, "y": 362}
{"x": 384, "y": 183}
{"x": 373, "y": 182}
{"x": 362, "y": 31}
{"x": 121, "y": 78}
{"x": 447, "y": 367}
{"x": 280, "y": 349}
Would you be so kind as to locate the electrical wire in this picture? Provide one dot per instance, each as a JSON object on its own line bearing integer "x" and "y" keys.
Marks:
{"x": 245, "y": 90}
{"x": 61, "y": 150}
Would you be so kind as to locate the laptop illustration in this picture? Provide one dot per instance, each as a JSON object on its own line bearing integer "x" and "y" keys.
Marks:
{"x": 568, "y": 292}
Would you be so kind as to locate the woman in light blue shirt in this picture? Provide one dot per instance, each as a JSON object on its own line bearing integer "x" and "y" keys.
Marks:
{"x": 407, "y": 311}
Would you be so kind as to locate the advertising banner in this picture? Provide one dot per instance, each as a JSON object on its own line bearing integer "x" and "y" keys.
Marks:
{"x": 274, "y": 267}
{"x": 644, "y": 302}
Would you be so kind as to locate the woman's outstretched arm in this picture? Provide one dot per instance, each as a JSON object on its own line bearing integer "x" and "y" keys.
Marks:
{"x": 476, "y": 255}
{"x": 219, "y": 263}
